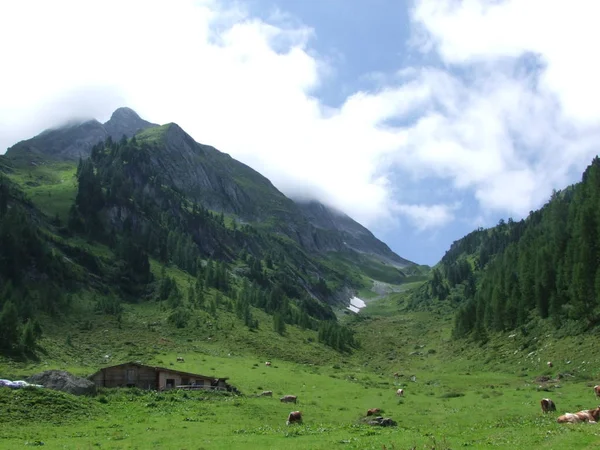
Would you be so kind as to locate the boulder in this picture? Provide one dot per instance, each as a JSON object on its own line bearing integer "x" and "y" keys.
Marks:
{"x": 60, "y": 380}
{"x": 382, "y": 422}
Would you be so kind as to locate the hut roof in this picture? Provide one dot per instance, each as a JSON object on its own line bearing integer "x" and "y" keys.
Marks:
{"x": 162, "y": 369}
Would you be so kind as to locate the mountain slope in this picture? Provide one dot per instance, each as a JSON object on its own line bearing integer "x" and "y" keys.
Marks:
{"x": 221, "y": 184}
{"x": 76, "y": 139}
{"x": 545, "y": 267}
{"x": 352, "y": 234}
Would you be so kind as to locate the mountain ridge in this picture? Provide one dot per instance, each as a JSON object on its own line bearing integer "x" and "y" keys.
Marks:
{"x": 218, "y": 181}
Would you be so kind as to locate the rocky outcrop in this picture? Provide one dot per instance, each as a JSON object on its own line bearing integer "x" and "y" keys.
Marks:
{"x": 336, "y": 232}
{"x": 60, "y": 380}
{"x": 125, "y": 121}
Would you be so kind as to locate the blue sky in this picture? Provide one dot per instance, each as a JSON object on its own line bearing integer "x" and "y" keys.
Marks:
{"x": 421, "y": 119}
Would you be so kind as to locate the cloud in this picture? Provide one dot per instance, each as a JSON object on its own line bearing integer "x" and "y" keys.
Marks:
{"x": 504, "y": 115}
{"x": 509, "y": 116}
{"x": 426, "y": 217}
{"x": 561, "y": 35}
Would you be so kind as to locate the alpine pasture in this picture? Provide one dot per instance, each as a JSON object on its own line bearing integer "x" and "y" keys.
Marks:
{"x": 457, "y": 394}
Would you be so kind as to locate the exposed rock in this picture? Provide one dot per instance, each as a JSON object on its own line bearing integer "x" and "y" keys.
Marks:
{"x": 382, "y": 422}
{"x": 60, "y": 380}
{"x": 125, "y": 121}
{"x": 76, "y": 138}
{"x": 351, "y": 234}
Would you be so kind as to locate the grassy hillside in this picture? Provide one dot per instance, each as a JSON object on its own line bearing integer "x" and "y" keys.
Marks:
{"x": 50, "y": 185}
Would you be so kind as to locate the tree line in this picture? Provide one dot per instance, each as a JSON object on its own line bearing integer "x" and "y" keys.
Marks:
{"x": 547, "y": 266}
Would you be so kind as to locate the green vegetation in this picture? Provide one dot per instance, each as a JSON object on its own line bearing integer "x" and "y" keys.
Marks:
{"x": 456, "y": 395}
{"x": 545, "y": 267}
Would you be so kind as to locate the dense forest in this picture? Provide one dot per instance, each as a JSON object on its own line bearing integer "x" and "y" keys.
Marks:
{"x": 547, "y": 265}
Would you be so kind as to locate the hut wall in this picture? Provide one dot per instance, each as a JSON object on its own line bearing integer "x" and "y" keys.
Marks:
{"x": 127, "y": 375}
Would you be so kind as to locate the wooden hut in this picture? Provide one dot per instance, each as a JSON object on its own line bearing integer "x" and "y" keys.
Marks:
{"x": 134, "y": 374}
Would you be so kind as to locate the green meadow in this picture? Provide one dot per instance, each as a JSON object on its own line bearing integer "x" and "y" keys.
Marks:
{"x": 457, "y": 394}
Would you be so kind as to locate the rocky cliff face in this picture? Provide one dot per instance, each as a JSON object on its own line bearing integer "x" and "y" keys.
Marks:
{"x": 352, "y": 234}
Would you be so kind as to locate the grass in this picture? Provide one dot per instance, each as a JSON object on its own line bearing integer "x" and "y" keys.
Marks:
{"x": 153, "y": 134}
{"x": 456, "y": 394}
{"x": 51, "y": 186}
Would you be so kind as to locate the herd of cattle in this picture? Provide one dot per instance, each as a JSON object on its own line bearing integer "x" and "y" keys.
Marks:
{"x": 586, "y": 415}
{"x": 296, "y": 416}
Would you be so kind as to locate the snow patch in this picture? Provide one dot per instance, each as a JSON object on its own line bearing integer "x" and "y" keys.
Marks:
{"x": 356, "y": 304}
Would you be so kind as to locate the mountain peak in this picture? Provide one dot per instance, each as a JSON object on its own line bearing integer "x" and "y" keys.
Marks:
{"x": 124, "y": 113}
{"x": 125, "y": 121}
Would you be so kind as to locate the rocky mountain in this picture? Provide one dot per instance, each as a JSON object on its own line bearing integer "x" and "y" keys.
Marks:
{"x": 217, "y": 181}
{"x": 352, "y": 234}
{"x": 76, "y": 139}
{"x": 205, "y": 176}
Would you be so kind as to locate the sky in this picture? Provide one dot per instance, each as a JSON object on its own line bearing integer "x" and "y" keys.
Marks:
{"x": 420, "y": 119}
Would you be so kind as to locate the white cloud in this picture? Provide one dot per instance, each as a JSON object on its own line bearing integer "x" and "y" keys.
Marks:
{"x": 511, "y": 116}
{"x": 562, "y": 34}
{"x": 426, "y": 217}
{"x": 493, "y": 127}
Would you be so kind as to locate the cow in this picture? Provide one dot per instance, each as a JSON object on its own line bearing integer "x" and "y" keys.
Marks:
{"x": 373, "y": 411}
{"x": 294, "y": 417}
{"x": 268, "y": 363}
{"x": 400, "y": 392}
{"x": 180, "y": 359}
{"x": 266, "y": 394}
{"x": 597, "y": 390}
{"x": 547, "y": 405}
{"x": 586, "y": 415}
{"x": 288, "y": 399}
{"x": 549, "y": 363}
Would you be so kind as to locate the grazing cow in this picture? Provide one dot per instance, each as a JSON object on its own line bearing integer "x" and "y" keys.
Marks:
{"x": 373, "y": 411}
{"x": 586, "y": 415}
{"x": 549, "y": 363}
{"x": 597, "y": 390}
{"x": 266, "y": 394}
{"x": 288, "y": 399}
{"x": 547, "y": 405}
{"x": 294, "y": 417}
{"x": 400, "y": 392}
{"x": 268, "y": 363}
{"x": 180, "y": 359}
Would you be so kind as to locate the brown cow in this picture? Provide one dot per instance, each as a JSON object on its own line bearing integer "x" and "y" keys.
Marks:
{"x": 400, "y": 392}
{"x": 373, "y": 411}
{"x": 547, "y": 405}
{"x": 597, "y": 390}
{"x": 288, "y": 399}
{"x": 549, "y": 363}
{"x": 294, "y": 417}
{"x": 586, "y": 415}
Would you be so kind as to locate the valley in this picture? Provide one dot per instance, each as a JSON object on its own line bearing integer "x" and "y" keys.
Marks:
{"x": 130, "y": 242}
{"x": 476, "y": 397}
